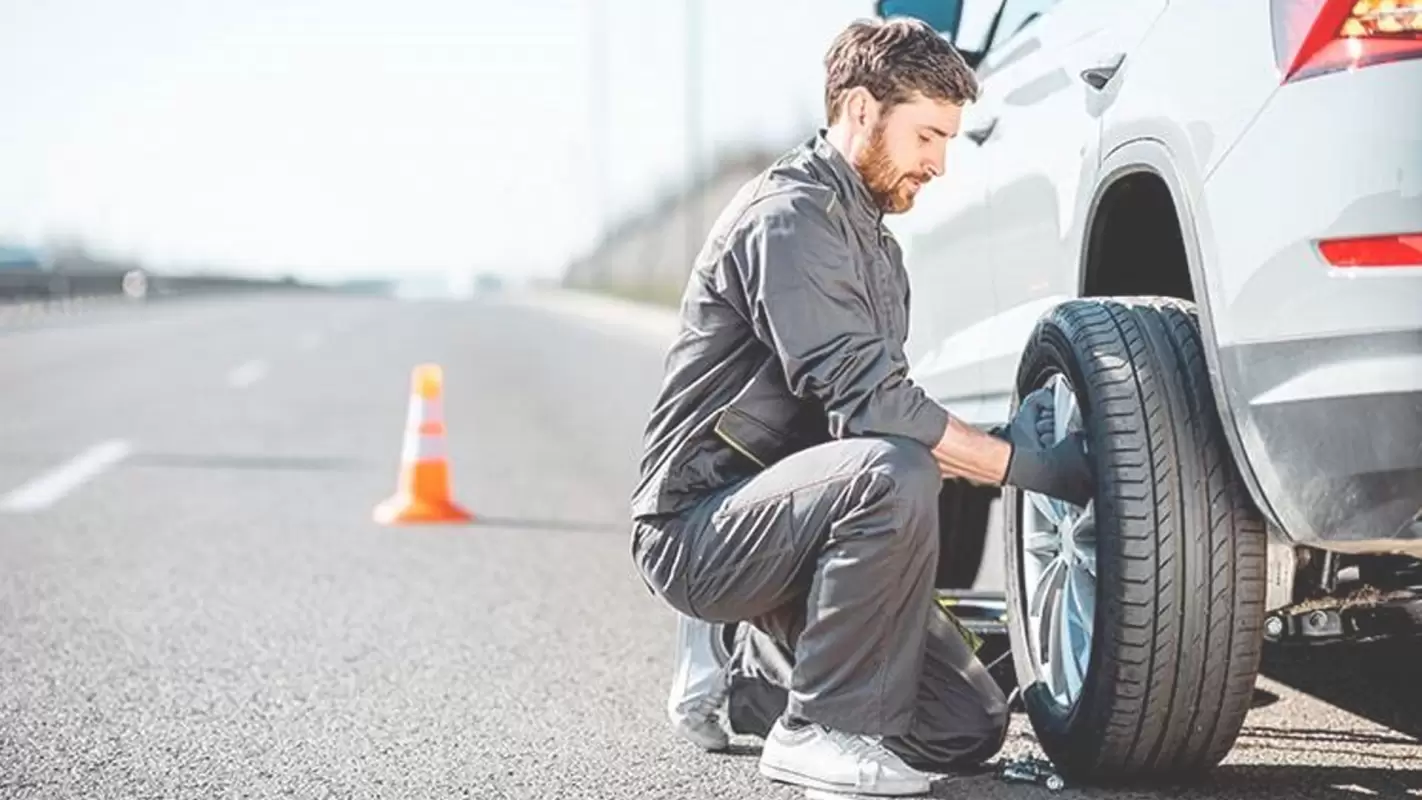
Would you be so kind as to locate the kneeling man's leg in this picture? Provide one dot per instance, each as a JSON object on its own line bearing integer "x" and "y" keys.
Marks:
{"x": 961, "y": 714}
{"x": 832, "y": 552}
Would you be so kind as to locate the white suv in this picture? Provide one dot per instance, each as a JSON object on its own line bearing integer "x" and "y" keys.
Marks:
{"x": 1201, "y": 222}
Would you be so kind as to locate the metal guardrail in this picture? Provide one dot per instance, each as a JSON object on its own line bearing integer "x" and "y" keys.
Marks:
{"x": 39, "y": 286}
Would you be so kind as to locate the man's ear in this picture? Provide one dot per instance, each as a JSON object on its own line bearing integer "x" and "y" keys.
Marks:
{"x": 861, "y": 108}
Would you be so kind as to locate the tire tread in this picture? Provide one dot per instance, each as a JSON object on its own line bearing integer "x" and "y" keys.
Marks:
{"x": 1181, "y": 574}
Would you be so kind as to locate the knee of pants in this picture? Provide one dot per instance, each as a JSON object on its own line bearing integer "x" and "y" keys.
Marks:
{"x": 913, "y": 480}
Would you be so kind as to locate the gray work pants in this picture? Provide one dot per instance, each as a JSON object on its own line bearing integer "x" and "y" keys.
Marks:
{"x": 829, "y": 555}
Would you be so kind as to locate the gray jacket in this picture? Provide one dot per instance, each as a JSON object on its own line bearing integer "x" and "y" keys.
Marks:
{"x": 792, "y": 331}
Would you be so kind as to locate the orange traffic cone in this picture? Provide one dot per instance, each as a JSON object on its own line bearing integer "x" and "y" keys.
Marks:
{"x": 423, "y": 492}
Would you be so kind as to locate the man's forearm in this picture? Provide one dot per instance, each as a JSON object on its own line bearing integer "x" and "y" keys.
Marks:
{"x": 968, "y": 453}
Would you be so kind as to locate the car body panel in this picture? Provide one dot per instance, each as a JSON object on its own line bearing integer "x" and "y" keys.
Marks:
{"x": 966, "y": 333}
{"x": 1323, "y": 366}
{"x": 1317, "y": 372}
{"x": 1196, "y": 104}
{"x": 1045, "y": 159}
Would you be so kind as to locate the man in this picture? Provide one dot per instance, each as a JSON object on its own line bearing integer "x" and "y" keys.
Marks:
{"x": 792, "y": 469}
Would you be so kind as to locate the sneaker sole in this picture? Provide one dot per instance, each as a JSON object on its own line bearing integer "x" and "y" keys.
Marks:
{"x": 710, "y": 743}
{"x": 783, "y": 775}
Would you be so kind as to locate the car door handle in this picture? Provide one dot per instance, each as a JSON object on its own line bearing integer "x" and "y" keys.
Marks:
{"x": 1097, "y": 77}
{"x": 981, "y": 133}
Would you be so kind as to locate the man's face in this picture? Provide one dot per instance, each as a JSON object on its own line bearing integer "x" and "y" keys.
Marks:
{"x": 905, "y": 150}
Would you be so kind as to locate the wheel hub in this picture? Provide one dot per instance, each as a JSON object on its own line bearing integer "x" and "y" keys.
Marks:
{"x": 1059, "y": 573}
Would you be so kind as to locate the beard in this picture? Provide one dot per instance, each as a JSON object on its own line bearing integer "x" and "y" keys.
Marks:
{"x": 891, "y": 189}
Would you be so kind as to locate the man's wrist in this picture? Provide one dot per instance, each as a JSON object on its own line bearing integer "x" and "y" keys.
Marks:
{"x": 1007, "y": 465}
{"x": 968, "y": 452}
{"x": 1000, "y": 432}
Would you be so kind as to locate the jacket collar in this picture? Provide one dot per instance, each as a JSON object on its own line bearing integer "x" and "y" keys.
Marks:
{"x": 847, "y": 181}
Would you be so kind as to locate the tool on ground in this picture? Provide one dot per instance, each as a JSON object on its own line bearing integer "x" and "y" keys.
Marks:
{"x": 1031, "y": 770}
{"x": 422, "y": 495}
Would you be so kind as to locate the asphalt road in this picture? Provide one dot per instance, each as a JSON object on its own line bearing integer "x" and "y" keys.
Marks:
{"x": 194, "y": 601}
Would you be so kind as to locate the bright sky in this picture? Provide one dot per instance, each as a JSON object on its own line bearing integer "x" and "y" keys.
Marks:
{"x": 338, "y": 136}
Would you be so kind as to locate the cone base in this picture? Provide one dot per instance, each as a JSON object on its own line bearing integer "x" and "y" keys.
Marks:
{"x": 409, "y": 510}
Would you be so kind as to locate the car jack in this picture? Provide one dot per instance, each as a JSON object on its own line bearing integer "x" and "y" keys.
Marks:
{"x": 1364, "y": 615}
{"x": 978, "y": 613}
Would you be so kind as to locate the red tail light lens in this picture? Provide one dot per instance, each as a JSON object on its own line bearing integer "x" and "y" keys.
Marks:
{"x": 1401, "y": 250}
{"x": 1313, "y": 37}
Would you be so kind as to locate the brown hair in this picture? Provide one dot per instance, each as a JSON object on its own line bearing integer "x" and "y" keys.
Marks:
{"x": 894, "y": 59}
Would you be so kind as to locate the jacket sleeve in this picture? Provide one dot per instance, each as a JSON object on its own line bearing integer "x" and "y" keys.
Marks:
{"x": 807, "y": 300}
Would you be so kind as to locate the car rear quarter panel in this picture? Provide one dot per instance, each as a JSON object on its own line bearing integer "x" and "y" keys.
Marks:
{"x": 1180, "y": 101}
{"x": 1259, "y": 171}
{"x": 1324, "y": 365}
{"x": 1194, "y": 84}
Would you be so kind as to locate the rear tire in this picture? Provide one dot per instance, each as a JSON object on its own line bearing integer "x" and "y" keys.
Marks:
{"x": 1175, "y": 633}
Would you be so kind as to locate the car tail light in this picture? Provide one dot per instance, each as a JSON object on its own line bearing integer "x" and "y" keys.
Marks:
{"x": 1397, "y": 250}
{"x": 1313, "y": 37}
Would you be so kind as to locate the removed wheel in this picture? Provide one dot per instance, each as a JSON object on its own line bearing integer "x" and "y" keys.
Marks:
{"x": 1136, "y": 622}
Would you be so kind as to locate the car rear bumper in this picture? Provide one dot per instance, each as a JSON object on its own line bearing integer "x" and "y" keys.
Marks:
{"x": 1322, "y": 367}
{"x": 1333, "y": 431}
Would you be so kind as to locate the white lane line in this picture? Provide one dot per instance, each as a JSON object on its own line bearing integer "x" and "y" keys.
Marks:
{"x": 48, "y": 488}
{"x": 245, "y": 375}
{"x": 311, "y": 340}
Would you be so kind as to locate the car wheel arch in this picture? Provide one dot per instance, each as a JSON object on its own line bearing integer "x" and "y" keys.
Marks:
{"x": 1147, "y": 155}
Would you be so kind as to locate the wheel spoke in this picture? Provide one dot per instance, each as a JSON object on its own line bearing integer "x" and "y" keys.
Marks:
{"x": 1042, "y": 591}
{"x": 1056, "y": 648}
{"x": 1042, "y": 543}
{"x": 1083, "y": 596}
{"x": 1085, "y": 546}
{"x": 1063, "y": 407}
{"x": 1070, "y": 644}
{"x": 1051, "y": 510}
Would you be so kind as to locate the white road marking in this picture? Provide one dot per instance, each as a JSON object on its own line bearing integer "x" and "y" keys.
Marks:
{"x": 48, "y": 488}
{"x": 247, "y": 374}
{"x": 311, "y": 340}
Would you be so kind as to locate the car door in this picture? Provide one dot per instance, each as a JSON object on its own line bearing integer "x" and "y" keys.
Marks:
{"x": 1047, "y": 64}
{"x": 947, "y": 254}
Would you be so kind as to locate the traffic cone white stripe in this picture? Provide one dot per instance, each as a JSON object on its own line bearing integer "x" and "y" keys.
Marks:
{"x": 424, "y": 410}
{"x": 423, "y": 447}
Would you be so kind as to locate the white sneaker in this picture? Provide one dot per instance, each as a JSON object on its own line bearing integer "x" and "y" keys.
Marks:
{"x": 700, "y": 683}
{"x": 817, "y": 757}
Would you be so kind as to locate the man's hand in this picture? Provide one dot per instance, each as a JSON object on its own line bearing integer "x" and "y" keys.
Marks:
{"x": 1035, "y": 420}
{"x": 1057, "y": 469}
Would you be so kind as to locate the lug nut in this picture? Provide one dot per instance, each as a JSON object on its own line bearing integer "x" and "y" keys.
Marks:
{"x": 1273, "y": 627}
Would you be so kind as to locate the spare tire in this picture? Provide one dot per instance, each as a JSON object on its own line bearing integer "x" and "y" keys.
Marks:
{"x": 1136, "y": 622}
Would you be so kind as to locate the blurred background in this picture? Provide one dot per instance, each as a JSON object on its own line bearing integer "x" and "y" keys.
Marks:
{"x": 229, "y": 232}
{"x": 433, "y": 145}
